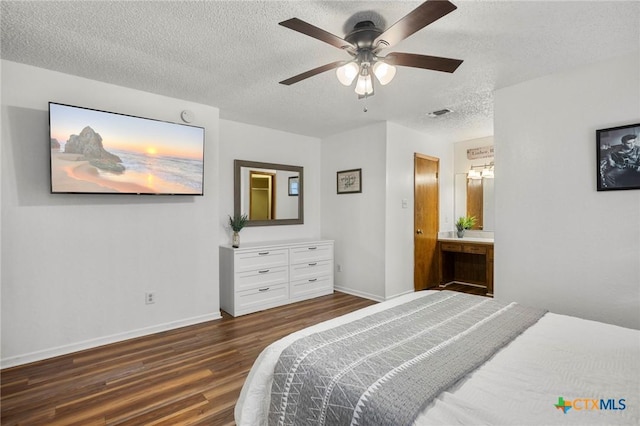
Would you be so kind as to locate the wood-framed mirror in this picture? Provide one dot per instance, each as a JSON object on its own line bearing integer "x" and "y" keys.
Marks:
{"x": 474, "y": 197}
{"x": 268, "y": 193}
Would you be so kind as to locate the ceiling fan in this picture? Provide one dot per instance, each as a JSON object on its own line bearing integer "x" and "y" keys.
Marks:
{"x": 365, "y": 42}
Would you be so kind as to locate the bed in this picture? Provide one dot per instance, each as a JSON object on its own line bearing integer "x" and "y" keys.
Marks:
{"x": 544, "y": 369}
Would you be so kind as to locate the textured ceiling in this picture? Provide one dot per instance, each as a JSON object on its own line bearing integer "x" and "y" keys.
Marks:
{"x": 232, "y": 55}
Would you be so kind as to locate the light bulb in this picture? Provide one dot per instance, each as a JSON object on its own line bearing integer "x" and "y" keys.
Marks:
{"x": 347, "y": 73}
{"x": 364, "y": 85}
{"x": 474, "y": 174}
{"x": 384, "y": 72}
{"x": 487, "y": 173}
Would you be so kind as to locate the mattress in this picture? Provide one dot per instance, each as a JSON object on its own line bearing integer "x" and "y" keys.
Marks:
{"x": 562, "y": 370}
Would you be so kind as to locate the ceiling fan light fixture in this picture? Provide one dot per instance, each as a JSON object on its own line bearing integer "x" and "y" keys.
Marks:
{"x": 365, "y": 42}
{"x": 347, "y": 73}
{"x": 364, "y": 85}
{"x": 384, "y": 72}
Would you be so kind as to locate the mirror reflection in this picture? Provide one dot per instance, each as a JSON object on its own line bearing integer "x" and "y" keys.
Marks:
{"x": 474, "y": 197}
{"x": 270, "y": 194}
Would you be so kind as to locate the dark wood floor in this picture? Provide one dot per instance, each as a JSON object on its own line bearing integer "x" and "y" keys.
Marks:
{"x": 464, "y": 288}
{"x": 191, "y": 375}
{"x": 188, "y": 376}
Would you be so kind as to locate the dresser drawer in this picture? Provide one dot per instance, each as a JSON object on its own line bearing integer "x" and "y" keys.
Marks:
{"x": 260, "y": 259}
{"x": 311, "y": 270}
{"x": 475, "y": 249}
{"x": 313, "y": 286}
{"x": 261, "y": 278}
{"x": 311, "y": 253}
{"x": 451, "y": 247}
{"x": 261, "y": 298}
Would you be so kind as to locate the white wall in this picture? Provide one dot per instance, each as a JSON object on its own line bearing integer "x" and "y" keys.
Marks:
{"x": 401, "y": 145}
{"x": 373, "y": 232}
{"x": 356, "y": 221}
{"x": 239, "y": 141}
{"x": 75, "y": 268}
{"x": 560, "y": 244}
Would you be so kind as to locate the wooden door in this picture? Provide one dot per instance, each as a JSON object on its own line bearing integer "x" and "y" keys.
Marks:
{"x": 426, "y": 221}
{"x": 475, "y": 201}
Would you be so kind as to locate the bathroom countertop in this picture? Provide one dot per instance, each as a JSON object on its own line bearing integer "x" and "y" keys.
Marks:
{"x": 467, "y": 240}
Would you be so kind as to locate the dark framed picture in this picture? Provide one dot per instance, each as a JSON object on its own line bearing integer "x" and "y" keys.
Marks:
{"x": 349, "y": 181}
{"x": 294, "y": 186}
{"x": 618, "y": 157}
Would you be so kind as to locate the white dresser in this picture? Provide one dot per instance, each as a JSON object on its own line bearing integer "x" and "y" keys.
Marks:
{"x": 260, "y": 276}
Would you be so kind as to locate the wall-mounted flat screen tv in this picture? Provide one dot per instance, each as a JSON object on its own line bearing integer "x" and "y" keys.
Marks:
{"x": 98, "y": 152}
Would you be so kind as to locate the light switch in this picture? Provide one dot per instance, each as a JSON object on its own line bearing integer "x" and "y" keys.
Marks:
{"x": 405, "y": 203}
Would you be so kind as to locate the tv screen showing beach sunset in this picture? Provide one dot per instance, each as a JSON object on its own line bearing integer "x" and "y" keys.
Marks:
{"x": 103, "y": 152}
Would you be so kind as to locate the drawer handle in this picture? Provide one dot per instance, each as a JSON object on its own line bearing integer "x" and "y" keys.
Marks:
{"x": 313, "y": 280}
{"x": 312, "y": 248}
{"x": 264, "y": 271}
{"x": 313, "y": 264}
{"x": 263, "y": 253}
{"x": 263, "y": 289}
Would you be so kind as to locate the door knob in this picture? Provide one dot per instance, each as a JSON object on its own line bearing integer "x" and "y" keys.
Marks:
{"x": 419, "y": 232}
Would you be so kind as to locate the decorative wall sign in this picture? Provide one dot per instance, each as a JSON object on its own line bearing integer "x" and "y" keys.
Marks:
{"x": 618, "y": 152}
{"x": 349, "y": 181}
{"x": 482, "y": 152}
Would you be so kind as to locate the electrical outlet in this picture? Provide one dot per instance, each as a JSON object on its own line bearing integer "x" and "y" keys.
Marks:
{"x": 150, "y": 298}
{"x": 339, "y": 268}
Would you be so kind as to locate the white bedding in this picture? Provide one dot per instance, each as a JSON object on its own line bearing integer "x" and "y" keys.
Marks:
{"x": 559, "y": 356}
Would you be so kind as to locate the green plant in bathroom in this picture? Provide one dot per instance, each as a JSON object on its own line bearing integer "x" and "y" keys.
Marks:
{"x": 465, "y": 222}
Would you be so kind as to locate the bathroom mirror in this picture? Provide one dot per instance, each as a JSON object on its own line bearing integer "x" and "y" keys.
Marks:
{"x": 474, "y": 197}
{"x": 269, "y": 194}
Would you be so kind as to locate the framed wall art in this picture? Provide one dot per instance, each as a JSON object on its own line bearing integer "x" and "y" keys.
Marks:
{"x": 294, "y": 183}
{"x": 349, "y": 181}
{"x": 618, "y": 157}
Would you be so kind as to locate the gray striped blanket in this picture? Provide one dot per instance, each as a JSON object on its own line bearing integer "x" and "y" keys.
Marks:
{"x": 384, "y": 369}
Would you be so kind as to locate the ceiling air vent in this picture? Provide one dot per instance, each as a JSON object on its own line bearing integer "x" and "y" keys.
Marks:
{"x": 439, "y": 113}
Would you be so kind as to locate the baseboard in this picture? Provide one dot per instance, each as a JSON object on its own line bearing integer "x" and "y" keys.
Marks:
{"x": 358, "y": 293}
{"x": 92, "y": 343}
{"x": 400, "y": 294}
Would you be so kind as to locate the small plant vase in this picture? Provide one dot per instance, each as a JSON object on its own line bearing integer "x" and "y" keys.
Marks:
{"x": 460, "y": 233}
{"x": 235, "y": 243}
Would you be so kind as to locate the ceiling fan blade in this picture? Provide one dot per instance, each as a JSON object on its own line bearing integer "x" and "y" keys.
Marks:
{"x": 317, "y": 33}
{"x": 312, "y": 72}
{"x": 420, "y": 17}
{"x": 435, "y": 63}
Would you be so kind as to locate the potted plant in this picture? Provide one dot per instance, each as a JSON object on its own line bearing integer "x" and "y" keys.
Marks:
{"x": 237, "y": 222}
{"x": 465, "y": 222}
